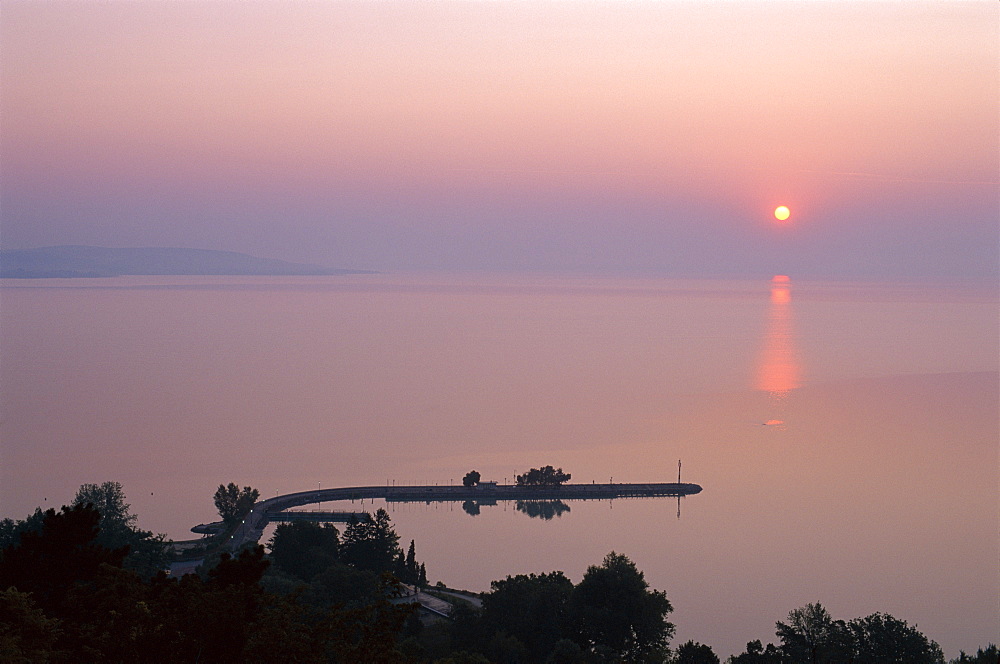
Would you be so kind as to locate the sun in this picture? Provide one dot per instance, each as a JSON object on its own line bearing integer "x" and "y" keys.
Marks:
{"x": 781, "y": 213}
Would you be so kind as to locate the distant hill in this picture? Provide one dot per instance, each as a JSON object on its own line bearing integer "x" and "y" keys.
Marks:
{"x": 80, "y": 261}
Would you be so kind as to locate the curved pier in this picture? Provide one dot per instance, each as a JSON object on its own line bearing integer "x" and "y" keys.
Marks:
{"x": 252, "y": 527}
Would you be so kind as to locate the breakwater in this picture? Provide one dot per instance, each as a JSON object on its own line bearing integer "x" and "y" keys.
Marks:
{"x": 264, "y": 511}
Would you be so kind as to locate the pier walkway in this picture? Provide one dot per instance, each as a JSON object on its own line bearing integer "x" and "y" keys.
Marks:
{"x": 272, "y": 509}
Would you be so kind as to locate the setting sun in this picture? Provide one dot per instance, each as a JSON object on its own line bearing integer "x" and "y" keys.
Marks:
{"x": 781, "y": 213}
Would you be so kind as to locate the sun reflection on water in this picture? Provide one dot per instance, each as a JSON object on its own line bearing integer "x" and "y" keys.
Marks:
{"x": 778, "y": 368}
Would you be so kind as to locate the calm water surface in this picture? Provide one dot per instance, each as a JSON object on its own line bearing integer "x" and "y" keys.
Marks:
{"x": 845, "y": 434}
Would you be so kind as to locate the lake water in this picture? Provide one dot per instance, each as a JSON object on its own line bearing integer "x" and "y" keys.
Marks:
{"x": 846, "y": 435}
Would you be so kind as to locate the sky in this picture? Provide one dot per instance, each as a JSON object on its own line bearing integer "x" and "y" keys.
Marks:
{"x": 591, "y": 137}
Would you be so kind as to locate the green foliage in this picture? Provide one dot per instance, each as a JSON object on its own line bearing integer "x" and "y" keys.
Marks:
{"x": 109, "y": 500}
{"x": 989, "y": 655}
{"x": 368, "y": 633}
{"x": 341, "y": 584}
{"x": 610, "y": 616}
{"x": 811, "y": 636}
{"x": 566, "y": 652}
{"x": 471, "y": 478}
{"x": 612, "y": 611}
{"x": 410, "y": 573}
{"x": 147, "y": 553}
{"x": 506, "y": 649}
{"x": 546, "y": 476}
{"x": 26, "y": 634}
{"x": 11, "y": 530}
{"x": 312, "y": 560}
{"x": 97, "y": 611}
{"x": 883, "y": 639}
{"x": 48, "y": 562}
{"x": 68, "y": 598}
{"x": 304, "y": 549}
{"x": 233, "y": 504}
{"x": 532, "y": 608}
{"x": 756, "y": 653}
{"x": 693, "y": 652}
{"x": 371, "y": 544}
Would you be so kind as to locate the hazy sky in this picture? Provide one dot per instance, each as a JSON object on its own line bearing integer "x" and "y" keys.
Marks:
{"x": 580, "y": 136}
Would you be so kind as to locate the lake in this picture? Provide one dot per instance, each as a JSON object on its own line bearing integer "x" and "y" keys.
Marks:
{"x": 846, "y": 434}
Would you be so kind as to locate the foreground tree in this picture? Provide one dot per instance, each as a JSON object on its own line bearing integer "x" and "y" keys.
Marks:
{"x": 811, "y": 636}
{"x": 989, "y": 655}
{"x": 756, "y": 653}
{"x": 233, "y": 504}
{"x": 693, "y": 652}
{"x": 304, "y": 549}
{"x": 883, "y": 639}
{"x": 116, "y": 528}
{"x": 64, "y": 597}
{"x": 26, "y": 634}
{"x": 371, "y": 544}
{"x": 614, "y": 613}
{"x": 48, "y": 562}
{"x": 147, "y": 553}
{"x": 532, "y": 608}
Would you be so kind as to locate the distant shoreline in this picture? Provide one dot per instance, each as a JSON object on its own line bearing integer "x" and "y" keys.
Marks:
{"x": 85, "y": 262}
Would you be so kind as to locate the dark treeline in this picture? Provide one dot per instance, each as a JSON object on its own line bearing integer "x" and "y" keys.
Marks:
{"x": 73, "y": 589}
{"x": 146, "y": 553}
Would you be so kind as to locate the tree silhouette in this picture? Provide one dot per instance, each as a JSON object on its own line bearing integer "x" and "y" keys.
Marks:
{"x": 148, "y": 553}
{"x": 613, "y": 611}
{"x": 811, "y": 636}
{"x": 883, "y": 639}
{"x": 47, "y": 563}
{"x": 546, "y": 476}
{"x": 232, "y": 503}
{"x": 693, "y": 652}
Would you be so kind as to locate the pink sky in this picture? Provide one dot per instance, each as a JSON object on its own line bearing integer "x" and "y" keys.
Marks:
{"x": 623, "y": 136}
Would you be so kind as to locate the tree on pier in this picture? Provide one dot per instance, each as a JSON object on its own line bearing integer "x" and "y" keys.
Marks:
{"x": 233, "y": 504}
{"x": 546, "y": 476}
{"x": 471, "y": 478}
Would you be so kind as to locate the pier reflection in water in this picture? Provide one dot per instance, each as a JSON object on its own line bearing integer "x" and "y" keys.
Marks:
{"x": 778, "y": 368}
{"x": 544, "y": 502}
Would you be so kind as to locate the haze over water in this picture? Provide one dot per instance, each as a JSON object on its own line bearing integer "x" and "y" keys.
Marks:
{"x": 574, "y": 207}
{"x": 847, "y": 448}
